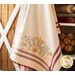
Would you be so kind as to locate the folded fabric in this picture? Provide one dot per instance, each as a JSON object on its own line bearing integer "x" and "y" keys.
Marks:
{"x": 36, "y": 43}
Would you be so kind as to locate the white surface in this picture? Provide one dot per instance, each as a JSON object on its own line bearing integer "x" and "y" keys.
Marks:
{"x": 67, "y": 24}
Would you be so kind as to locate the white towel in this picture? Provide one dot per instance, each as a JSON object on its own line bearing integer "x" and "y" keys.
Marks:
{"x": 36, "y": 43}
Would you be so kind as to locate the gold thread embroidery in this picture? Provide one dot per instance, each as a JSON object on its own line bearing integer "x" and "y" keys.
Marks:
{"x": 35, "y": 45}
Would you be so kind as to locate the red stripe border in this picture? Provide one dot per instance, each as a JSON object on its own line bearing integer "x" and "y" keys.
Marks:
{"x": 23, "y": 65}
{"x": 57, "y": 19}
{"x": 22, "y": 51}
{"x": 23, "y": 56}
{"x": 54, "y": 56}
{"x": 56, "y": 60}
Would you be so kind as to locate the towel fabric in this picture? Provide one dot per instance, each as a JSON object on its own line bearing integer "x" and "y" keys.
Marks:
{"x": 36, "y": 43}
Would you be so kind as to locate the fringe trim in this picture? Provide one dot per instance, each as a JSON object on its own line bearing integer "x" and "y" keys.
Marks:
{"x": 23, "y": 65}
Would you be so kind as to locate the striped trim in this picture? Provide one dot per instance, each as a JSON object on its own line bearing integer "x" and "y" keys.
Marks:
{"x": 54, "y": 56}
{"x": 23, "y": 65}
{"x": 22, "y": 51}
{"x": 28, "y": 58}
{"x": 57, "y": 19}
{"x": 56, "y": 60}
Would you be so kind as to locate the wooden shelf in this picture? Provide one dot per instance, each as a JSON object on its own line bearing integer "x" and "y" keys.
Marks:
{"x": 67, "y": 24}
{"x": 66, "y": 15}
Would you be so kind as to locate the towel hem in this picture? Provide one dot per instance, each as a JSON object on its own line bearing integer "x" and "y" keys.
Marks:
{"x": 23, "y": 65}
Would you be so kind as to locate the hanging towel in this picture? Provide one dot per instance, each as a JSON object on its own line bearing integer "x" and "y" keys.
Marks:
{"x": 36, "y": 43}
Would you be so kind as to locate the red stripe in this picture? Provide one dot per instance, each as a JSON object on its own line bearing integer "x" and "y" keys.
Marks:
{"x": 54, "y": 56}
{"x": 57, "y": 19}
{"x": 57, "y": 26}
{"x": 23, "y": 56}
{"x": 32, "y": 55}
{"x": 56, "y": 60}
{"x": 23, "y": 65}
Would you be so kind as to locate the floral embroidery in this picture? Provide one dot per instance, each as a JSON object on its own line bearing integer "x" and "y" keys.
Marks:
{"x": 35, "y": 45}
{"x": 34, "y": 49}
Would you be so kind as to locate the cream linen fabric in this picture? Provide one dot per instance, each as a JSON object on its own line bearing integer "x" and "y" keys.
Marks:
{"x": 36, "y": 43}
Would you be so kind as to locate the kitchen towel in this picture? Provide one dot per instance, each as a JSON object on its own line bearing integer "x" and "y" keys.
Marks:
{"x": 36, "y": 43}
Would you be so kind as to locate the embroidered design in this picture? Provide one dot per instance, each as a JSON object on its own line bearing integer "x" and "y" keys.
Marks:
{"x": 35, "y": 45}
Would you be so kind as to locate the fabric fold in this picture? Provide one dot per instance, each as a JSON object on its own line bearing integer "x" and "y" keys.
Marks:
{"x": 36, "y": 43}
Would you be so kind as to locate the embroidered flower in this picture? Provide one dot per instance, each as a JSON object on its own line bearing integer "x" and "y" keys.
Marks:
{"x": 34, "y": 49}
{"x": 35, "y": 45}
